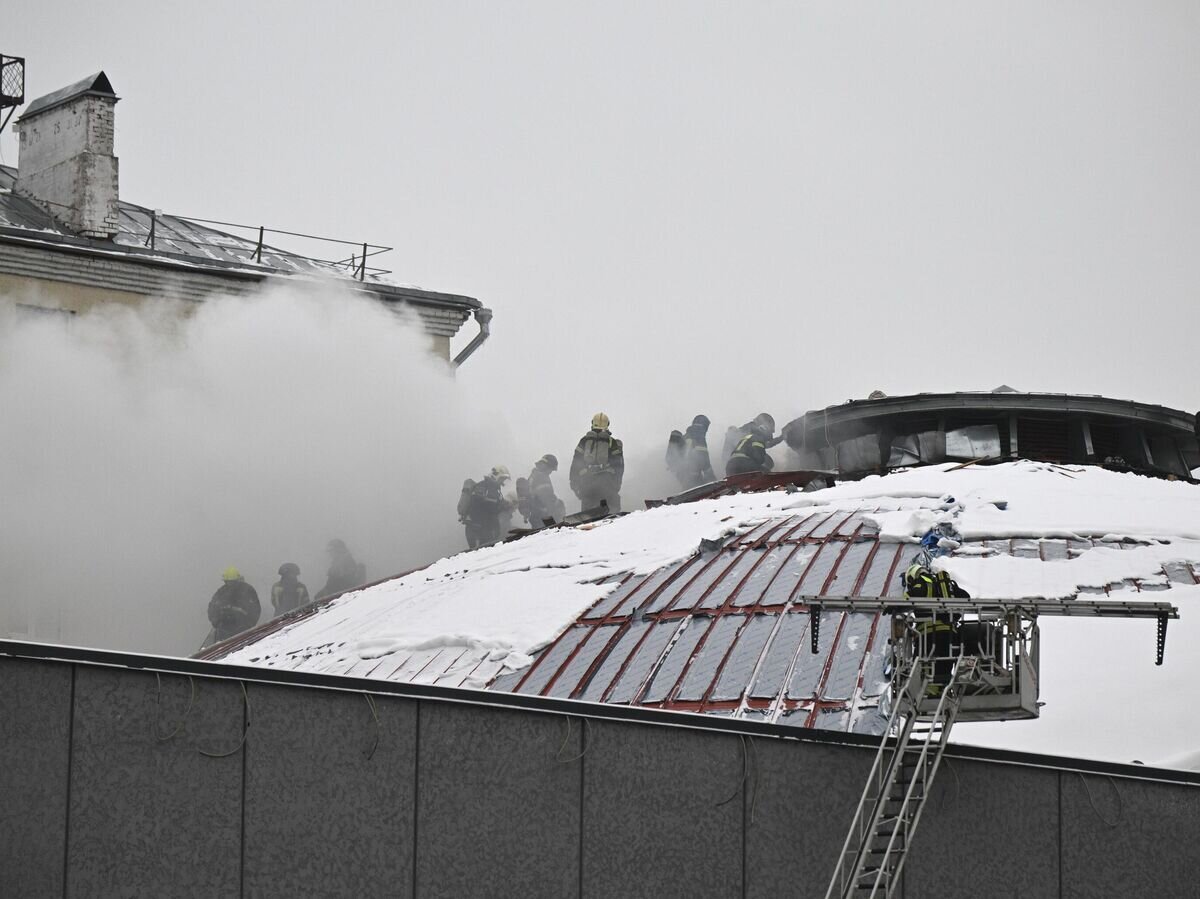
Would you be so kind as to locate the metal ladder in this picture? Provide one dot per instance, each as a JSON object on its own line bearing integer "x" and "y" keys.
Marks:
{"x": 887, "y": 814}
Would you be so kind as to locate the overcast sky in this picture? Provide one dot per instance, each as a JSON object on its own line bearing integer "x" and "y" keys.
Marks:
{"x": 700, "y": 207}
{"x": 678, "y": 208}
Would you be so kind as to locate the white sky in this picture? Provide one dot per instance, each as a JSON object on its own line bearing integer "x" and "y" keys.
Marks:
{"x": 704, "y": 207}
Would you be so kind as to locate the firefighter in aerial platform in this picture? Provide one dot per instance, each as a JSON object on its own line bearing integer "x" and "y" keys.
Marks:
{"x": 937, "y": 630}
{"x": 598, "y": 467}
{"x": 750, "y": 452}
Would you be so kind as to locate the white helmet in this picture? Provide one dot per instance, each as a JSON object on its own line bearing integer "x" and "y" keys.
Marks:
{"x": 500, "y": 473}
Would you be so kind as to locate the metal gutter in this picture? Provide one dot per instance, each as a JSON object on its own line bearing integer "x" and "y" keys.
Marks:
{"x": 593, "y": 711}
{"x": 109, "y": 250}
{"x": 483, "y": 317}
{"x": 184, "y": 264}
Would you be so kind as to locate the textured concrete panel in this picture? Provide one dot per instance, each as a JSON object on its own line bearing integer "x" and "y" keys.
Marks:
{"x": 329, "y": 794}
{"x": 802, "y": 798}
{"x": 1123, "y": 838}
{"x": 663, "y": 811}
{"x": 35, "y": 719}
{"x": 498, "y": 803}
{"x": 150, "y": 814}
{"x": 997, "y": 825}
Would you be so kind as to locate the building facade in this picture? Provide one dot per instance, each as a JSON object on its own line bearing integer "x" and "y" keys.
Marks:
{"x": 141, "y": 776}
{"x": 68, "y": 242}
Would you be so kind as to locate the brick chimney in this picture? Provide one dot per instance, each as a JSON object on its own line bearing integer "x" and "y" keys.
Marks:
{"x": 66, "y": 162}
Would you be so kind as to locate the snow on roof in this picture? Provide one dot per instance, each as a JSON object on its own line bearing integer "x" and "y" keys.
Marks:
{"x": 635, "y": 610}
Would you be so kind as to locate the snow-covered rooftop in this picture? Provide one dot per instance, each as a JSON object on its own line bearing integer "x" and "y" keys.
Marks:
{"x": 634, "y": 610}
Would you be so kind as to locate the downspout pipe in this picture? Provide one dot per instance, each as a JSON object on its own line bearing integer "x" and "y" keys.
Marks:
{"x": 483, "y": 316}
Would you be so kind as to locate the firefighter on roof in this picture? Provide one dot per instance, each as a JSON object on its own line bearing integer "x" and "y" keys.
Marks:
{"x": 750, "y": 451}
{"x": 481, "y": 505}
{"x": 598, "y": 467}
{"x": 344, "y": 572}
{"x": 697, "y": 467}
{"x": 536, "y": 499}
{"x": 233, "y": 608}
{"x": 675, "y": 456}
{"x": 289, "y": 591}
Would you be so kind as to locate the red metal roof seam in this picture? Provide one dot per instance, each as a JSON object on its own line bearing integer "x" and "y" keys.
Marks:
{"x": 672, "y": 581}
{"x": 823, "y": 680}
{"x": 619, "y": 673}
{"x": 709, "y": 626}
{"x": 693, "y": 621}
{"x": 711, "y": 564}
{"x": 593, "y": 669}
{"x": 592, "y": 631}
{"x": 606, "y": 598}
{"x": 762, "y": 656}
{"x": 717, "y": 672}
{"x": 833, "y": 571}
{"x": 866, "y": 568}
{"x": 780, "y": 698}
{"x": 653, "y": 663}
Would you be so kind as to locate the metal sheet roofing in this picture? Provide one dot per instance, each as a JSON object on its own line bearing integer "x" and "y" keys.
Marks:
{"x": 727, "y": 631}
{"x": 723, "y": 629}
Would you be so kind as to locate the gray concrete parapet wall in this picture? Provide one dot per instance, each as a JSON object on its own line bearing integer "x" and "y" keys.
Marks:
{"x": 121, "y": 780}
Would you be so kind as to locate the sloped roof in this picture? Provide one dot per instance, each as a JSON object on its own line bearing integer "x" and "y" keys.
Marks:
{"x": 700, "y": 606}
{"x": 172, "y": 235}
{"x": 94, "y": 85}
{"x": 182, "y": 241}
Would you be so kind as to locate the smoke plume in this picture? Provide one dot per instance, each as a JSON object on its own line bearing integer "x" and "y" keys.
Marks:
{"x": 143, "y": 453}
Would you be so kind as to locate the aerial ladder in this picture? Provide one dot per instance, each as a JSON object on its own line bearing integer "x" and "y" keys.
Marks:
{"x": 986, "y": 671}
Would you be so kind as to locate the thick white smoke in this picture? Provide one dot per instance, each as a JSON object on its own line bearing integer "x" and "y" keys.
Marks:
{"x": 140, "y": 456}
{"x": 142, "y": 453}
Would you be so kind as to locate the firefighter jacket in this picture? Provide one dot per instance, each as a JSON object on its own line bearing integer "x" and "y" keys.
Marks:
{"x": 288, "y": 595}
{"x": 233, "y": 609}
{"x": 486, "y": 501}
{"x": 675, "y": 454}
{"x": 344, "y": 573}
{"x": 922, "y": 582}
{"x": 697, "y": 467}
{"x": 599, "y": 456}
{"x": 750, "y": 454}
{"x": 543, "y": 502}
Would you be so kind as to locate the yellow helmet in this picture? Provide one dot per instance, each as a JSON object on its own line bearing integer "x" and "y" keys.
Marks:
{"x": 231, "y": 574}
{"x": 600, "y": 420}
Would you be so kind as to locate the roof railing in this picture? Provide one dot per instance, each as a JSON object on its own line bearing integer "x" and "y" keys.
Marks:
{"x": 255, "y": 246}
